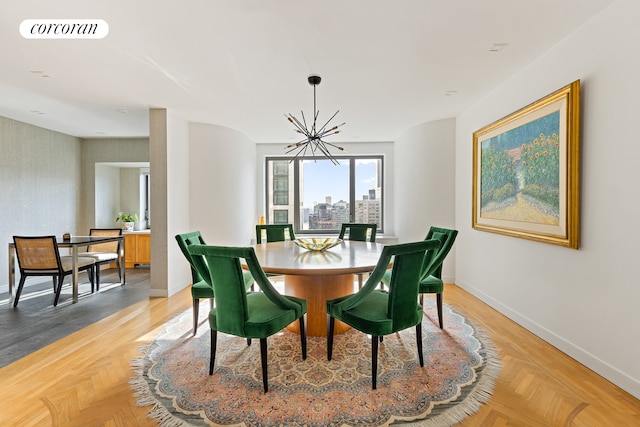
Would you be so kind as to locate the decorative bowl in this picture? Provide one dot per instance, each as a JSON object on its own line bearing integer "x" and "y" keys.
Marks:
{"x": 318, "y": 243}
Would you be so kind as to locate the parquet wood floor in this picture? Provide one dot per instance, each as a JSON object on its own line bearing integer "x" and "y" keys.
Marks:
{"x": 83, "y": 379}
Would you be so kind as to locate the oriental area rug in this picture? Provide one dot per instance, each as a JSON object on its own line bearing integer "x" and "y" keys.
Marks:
{"x": 461, "y": 365}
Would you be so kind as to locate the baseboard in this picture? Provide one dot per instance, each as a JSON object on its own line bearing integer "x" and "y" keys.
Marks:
{"x": 602, "y": 368}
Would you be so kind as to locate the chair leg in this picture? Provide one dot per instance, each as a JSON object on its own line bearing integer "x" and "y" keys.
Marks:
{"x": 360, "y": 281}
{"x": 374, "y": 362}
{"x": 58, "y": 290}
{"x": 330, "y": 325}
{"x": 439, "y": 304}
{"x": 263, "y": 358}
{"x": 214, "y": 343}
{"x": 19, "y": 291}
{"x": 196, "y": 313}
{"x": 419, "y": 342}
{"x": 119, "y": 269}
{"x": 303, "y": 337}
{"x": 97, "y": 267}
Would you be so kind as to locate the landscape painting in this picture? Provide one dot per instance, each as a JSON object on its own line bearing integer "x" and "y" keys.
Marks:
{"x": 526, "y": 172}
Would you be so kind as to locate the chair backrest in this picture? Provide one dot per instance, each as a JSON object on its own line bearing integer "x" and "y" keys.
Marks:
{"x": 223, "y": 265}
{"x": 37, "y": 253}
{"x": 274, "y": 232}
{"x": 446, "y": 237}
{"x": 184, "y": 241}
{"x": 407, "y": 259}
{"x": 405, "y": 278}
{"x": 111, "y": 247}
{"x": 358, "y": 231}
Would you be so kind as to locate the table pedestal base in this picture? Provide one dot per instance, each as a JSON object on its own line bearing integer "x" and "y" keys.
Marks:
{"x": 317, "y": 289}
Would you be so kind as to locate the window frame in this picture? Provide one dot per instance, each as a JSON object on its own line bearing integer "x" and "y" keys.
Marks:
{"x": 297, "y": 212}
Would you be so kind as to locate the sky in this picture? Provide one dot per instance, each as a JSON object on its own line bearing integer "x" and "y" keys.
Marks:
{"x": 323, "y": 178}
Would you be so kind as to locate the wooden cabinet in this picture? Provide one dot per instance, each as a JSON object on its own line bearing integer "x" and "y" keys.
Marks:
{"x": 137, "y": 249}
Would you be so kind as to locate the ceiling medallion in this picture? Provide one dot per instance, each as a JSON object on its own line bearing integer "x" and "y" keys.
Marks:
{"x": 313, "y": 136}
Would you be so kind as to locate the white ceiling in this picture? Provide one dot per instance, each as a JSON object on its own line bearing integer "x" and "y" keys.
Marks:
{"x": 386, "y": 65}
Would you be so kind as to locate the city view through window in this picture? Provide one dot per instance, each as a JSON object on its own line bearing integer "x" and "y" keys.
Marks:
{"x": 328, "y": 194}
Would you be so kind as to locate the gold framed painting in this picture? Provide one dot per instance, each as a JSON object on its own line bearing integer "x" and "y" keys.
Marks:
{"x": 526, "y": 171}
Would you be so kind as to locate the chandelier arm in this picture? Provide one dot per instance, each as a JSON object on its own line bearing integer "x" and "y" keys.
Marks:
{"x": 302, "y": 150}
{"x": 333, "y": 145}
{"x": 304, "y": 121}
{"x": 296, "y": 145}
{"x": 315, "y": 118}
{"x": 322, "y": 147}
{"x": 328, "y": 121}
{"x": 296, "y": 123}
{"x": 328, "y": 132}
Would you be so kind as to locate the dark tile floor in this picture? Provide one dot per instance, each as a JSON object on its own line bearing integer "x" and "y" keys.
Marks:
{"x": 36, "y": 323}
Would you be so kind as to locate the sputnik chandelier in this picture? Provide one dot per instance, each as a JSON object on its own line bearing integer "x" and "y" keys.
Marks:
{"x": 313, "y": 136}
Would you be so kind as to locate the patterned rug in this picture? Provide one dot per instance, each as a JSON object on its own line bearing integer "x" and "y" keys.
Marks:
{"x": 461, "y": 366}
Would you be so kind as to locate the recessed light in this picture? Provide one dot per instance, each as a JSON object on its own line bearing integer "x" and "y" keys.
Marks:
{"x": 497, "y": 47}
{"x": 122, "y": 110}
{"x": 450, "y": 92}
{"x": 36, "y": 112}
{"x": 39, "y": 73}
{"x": 101, "y": 133}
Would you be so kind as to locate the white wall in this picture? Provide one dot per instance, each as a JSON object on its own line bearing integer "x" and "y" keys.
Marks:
{"x": 107, "y": 195}
{"x": 169, "y": 172}
{"x": 362, "y": 148}
{"x": 222, "y": 177}
{"x": 585, "y": 302}
{"x": 424, "y": 183}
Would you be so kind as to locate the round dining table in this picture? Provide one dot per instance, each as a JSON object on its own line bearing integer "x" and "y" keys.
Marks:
{"x": 318, "y": 276}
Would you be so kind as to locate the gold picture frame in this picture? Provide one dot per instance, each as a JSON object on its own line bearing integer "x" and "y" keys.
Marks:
{"x": 526, "y": 171}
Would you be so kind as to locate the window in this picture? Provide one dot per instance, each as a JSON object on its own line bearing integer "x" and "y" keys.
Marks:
{"x": 280, "y": 216}
{"x": 319, "y": 196}
{"x": 280, "y": 183}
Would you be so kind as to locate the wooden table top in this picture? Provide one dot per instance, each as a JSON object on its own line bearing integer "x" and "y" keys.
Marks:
{"x": 349, "y": 257}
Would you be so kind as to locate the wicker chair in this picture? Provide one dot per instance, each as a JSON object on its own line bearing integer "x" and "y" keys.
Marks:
{"x": 39, "y": 256}
{"x": 104, "y": 253}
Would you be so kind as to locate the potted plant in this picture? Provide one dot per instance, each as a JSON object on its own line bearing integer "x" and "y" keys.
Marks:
{"x": 128, "y": 221}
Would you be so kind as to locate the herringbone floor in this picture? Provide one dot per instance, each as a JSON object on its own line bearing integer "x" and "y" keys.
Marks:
{"x": 83, "y": 379}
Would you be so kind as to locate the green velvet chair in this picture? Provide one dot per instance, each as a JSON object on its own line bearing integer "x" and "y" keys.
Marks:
{"x": 358, "y": 232}
{"x": 248, "y": 315}
{"x": 200, "y": 287}
{"x": 379, "y": 313}
{"x": 274, "y": 232}
{"x": 431, "y": 276}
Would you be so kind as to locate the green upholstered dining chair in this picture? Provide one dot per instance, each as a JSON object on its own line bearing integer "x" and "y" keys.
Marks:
{"x": 431, "y": 275}
{"x": 249, "y": 315}
{"x": 39, "y": 256}
{"x": 377, "y": 312}
{"x": 201, "y": 287}
{"x": 274, "y": 232}
{"x": 104, "y": 253}
{"x": 358, "y": 232}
